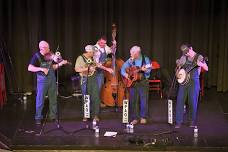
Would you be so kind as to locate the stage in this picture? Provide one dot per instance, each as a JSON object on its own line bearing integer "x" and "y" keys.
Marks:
{"x": 21, "y": 133}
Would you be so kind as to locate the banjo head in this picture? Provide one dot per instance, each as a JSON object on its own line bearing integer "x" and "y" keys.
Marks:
{"x": 181, "y": 76}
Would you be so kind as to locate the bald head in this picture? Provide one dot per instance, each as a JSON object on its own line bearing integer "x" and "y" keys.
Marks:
{"x": 44, "y": 47}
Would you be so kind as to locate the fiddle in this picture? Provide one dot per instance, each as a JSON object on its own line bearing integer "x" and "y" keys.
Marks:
{"x": 56, "y": 57}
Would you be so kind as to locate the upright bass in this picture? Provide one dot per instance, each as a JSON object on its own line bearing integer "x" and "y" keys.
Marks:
{"x": 113, "y": 90}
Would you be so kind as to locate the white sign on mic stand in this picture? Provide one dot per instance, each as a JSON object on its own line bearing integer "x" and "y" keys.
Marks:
{"x": 125, "y": 111}
{"x": 86, "y": 106}
{"x": 170, "y": 111}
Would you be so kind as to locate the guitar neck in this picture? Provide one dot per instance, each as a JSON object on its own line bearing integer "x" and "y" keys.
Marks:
{"x": 140, "y": 69}
{"x": 189, "y": 70}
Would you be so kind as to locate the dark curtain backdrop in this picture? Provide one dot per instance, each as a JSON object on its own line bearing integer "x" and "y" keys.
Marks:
{"x": 158, "y": 26}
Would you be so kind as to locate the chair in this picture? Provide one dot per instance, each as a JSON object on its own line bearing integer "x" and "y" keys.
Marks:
{"x": 155, "y": 83}
{"x": 3, "y": 97}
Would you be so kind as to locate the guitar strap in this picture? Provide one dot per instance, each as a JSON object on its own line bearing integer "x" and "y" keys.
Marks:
{"x": 194, "y": 62}
{"x": 143, "y": 60}
{"x": 85, "y": 59}
{"x": 38, "y": 57}
{"x": 143, "y": 63}
{"x": 40, "y": 61}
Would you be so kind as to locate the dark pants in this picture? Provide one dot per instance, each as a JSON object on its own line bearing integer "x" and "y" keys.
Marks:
{"x": 89, "y": 86}
{"x": 139, "y": 95}
{"x": 46, "y": 85}
{"x": 100, "y": 81}
{"x": 189, "y": 92}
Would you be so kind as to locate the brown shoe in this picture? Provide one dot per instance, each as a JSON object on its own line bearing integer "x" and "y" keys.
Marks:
{"x": 192, "y": 124}
{"x": 96, "y": 118}
{"x": 134, "y": 122}
{"x": 178, "y": 126}
{"x": 143, "y": 121}
{"x": 85, "y": 119}
{"x": 102, "y": 105}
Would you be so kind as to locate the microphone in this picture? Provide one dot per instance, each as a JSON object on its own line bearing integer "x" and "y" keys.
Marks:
{"x": 57, "y": 48}
{"x": 58, "y": 54}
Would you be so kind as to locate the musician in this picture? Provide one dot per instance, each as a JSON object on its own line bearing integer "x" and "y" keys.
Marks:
{"x": 46, "y": 81}
{"x": 189, "y": 91}
{"x": 139, "y": 91}
{"x": 100, "y": 56}
{"x": 89, "y": 83}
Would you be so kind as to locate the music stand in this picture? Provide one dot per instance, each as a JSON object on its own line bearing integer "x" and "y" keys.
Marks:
{"x": 58, "y": 125}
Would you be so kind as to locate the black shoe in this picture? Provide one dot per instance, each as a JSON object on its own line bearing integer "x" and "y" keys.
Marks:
{"x": 38, "y": 122}
{"x": 53, "y": 120}
{"x": 192, "y": 124}
{"x": 177, "y": 126}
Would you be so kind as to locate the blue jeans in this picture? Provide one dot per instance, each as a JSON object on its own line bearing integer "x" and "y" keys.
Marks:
{"x": 190, "y": 93}
{"x": 139, "y": 95}
{"x": 46, "y": 85}
{"x": 100, "y": 81}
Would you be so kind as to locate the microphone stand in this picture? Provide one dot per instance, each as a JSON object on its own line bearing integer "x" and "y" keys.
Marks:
{"x": 172, "y": 86}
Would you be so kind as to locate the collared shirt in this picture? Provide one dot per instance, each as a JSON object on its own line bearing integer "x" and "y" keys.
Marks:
{"x": 138, "y": 63}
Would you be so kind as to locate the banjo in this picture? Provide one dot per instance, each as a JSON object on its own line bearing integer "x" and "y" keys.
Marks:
{"x": 91, "y": 65}
{"x": 183, "y": 74}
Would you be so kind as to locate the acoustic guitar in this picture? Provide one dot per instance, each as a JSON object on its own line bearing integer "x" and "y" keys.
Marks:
{"x": 134, "y": 74}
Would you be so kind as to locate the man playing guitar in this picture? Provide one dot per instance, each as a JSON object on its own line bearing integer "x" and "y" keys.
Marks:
{"x": 139, "y": 90}
{"x": 188, "y": 71}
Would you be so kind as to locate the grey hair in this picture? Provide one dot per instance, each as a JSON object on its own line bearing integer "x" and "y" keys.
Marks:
{"x": 43, "y": 43}
{"x": 135, "y": 49}
{"x": 89, "y": 48}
